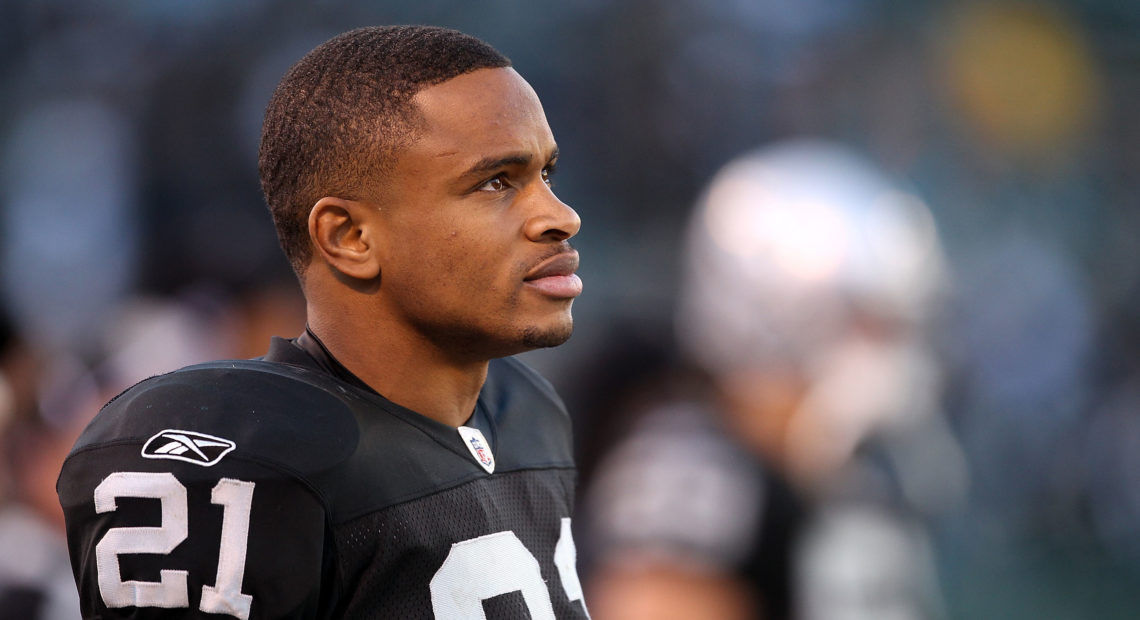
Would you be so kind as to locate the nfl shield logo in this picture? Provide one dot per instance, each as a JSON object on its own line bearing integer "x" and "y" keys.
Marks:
{"x": 478, "y": 446}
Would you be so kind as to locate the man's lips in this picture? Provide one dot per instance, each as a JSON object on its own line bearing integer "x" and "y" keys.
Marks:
{"x": 563, "y": 264}
{"x": 555, "y": 276}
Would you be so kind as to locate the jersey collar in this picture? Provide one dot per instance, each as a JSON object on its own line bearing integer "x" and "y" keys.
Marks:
{"x": 307, "y": 350}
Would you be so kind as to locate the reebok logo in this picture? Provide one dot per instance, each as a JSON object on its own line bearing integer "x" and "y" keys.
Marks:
{"x": 198, "y": 448}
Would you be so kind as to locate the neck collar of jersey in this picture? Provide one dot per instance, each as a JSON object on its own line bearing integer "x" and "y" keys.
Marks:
{"x": 320, "y": 355}
{"x": 307, "y": 350}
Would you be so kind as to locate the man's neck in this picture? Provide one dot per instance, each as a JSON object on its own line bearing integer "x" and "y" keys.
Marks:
{"x": 409, "y": 371}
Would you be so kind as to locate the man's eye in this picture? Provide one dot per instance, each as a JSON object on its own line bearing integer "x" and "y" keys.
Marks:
{"x": 546, "y": 172}
{"x": 496, "y": 184}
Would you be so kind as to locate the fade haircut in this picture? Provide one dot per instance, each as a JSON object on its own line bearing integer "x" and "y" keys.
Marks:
{"x": 339, "y": 115}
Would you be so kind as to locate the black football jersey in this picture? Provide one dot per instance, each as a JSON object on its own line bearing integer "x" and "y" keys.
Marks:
{"x": 274, "y": 489}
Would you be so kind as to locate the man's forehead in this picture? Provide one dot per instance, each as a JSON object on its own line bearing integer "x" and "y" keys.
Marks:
{"x": 465, "y": 88}
{"x": 485, "y": 110}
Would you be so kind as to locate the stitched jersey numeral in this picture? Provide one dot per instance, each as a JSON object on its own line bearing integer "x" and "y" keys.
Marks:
{"x": 481, "y": 568}
{"x": 224, "y": 597}
{"x": 474, "y": 570}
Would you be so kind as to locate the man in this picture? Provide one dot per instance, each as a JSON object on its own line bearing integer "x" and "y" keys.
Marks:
{"x": 386, "y": 463}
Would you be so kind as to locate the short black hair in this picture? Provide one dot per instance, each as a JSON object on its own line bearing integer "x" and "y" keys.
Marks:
{"x": 338, "y": 116}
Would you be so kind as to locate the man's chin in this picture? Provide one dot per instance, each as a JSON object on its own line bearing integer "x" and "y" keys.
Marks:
{"x": 536, "y": 338}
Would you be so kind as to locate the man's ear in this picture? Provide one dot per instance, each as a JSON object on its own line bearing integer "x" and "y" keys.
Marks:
{"x": 343, "y": 234}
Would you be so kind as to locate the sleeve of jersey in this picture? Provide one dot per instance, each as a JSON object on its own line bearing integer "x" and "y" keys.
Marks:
{"x": 179, "y": 521}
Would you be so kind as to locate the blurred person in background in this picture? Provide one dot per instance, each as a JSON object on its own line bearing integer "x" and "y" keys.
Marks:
{"x": 797, "y": 477}
{"x": 35, "y": 570}
{"x": 35, "y": 581}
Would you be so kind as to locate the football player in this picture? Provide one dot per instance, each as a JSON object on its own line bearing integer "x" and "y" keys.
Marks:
{"x": 392, "y": 461}
{"x": 797, "y": 482}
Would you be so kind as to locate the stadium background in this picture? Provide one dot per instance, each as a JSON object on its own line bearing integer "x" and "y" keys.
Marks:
{"x": 134, "y": 235}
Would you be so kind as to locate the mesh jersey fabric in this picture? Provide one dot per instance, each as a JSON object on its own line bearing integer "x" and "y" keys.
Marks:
{"x": 327, "y": 500}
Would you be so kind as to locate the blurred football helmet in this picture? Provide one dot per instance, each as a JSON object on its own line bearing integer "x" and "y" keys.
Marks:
{"x": 792, "y": 243}
{"x": 803, "y": 257}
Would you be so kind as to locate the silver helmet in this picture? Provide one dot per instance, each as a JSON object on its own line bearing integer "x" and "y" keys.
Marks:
{"x": 791, "y": 243}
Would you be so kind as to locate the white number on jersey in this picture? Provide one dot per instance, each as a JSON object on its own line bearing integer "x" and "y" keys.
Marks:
{"x": 474, "y": 570}
{"x": 481, "y": 568}
{"x": 171, "y": 590}
{"x": 484, "y": 567}
{"x": 566, "y": 559}
{"x": 224, "y": 597}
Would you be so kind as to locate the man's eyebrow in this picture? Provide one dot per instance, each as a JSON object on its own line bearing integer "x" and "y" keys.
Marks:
{"x": 495, "y": 162}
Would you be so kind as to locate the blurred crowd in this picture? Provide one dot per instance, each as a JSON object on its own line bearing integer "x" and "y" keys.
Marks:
{"x": 862, "y": 312}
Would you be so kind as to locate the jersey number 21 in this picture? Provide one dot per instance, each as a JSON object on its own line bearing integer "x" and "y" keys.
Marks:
{"x": 457, "y": 589}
